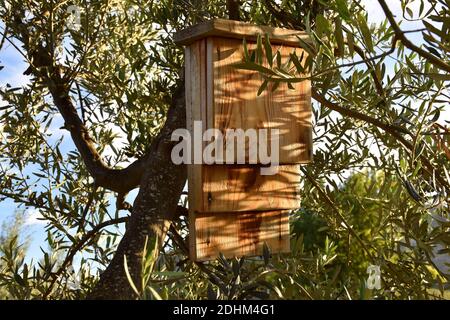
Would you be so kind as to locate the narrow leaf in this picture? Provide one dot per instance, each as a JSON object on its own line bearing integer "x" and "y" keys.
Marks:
{"x": 364, "y": 28}
{"x": 130, "y": 280}
{"x": 268, "y": 49}
{"x": 262, "y": 87}
{"x": 342, "y": 9}
{"x": 339, "y": 37}
{"x": 259, "y": 50}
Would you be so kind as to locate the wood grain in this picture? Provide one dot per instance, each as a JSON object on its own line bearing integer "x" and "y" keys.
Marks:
{"x": 234, "y": 209}
{"x": 236, "y": 104}
{"x": 237, "y": 188}
{"x": 239, "y": 234}
{"x": 223, "y": 98}
{"x": 195, "y": 73}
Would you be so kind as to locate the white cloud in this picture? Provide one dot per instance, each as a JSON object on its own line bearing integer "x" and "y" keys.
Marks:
{"x": 33, "y": 217}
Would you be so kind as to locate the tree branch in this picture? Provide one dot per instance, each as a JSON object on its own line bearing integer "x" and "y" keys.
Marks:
{"x": 153, "y": 209}
{"x": 401, "y": 36}
{"x": 233, "y": 9}
{"x": 119, "y": 180}
{"x": 78, "y": 246}
{"x": 43, "y": 66}
{"x": 160, "y": 179}
{"x": 393, "y": 130}
{"x": 371, "y": 67}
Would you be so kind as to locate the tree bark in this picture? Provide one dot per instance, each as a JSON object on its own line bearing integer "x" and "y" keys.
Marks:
{"x": 153, "y": 209}
{"x": 233, "y": 10}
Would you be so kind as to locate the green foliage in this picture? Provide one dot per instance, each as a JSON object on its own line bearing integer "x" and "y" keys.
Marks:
{"x": 370, "y": 75}
{"x": 326, "y": 261}
{"x": 378, "y": 181}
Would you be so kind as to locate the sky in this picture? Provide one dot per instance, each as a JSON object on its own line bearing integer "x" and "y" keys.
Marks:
{"x": 14, "y": 66}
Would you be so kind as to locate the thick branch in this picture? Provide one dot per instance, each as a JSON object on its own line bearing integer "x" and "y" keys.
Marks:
{"x": 392, "y": 129}
{"x": 233, "y": 10}
{"x": 153, "y": 209}
{"x": 73, "y": 251}
{"x": 160, "y": 179}
{"x": 119, "y": 180}
{"x": 42, "y": 66}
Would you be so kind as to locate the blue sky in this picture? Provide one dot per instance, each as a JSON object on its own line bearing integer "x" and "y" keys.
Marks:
{"x": 14, "y": 66}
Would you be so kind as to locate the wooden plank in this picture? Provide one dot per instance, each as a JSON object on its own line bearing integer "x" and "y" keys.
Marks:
{"x": 236, "y": 104}
{"x": 187, "y": 86}
{"x": 189, "y": 123}
{"x": 194, "y": 68}
{"x": 237, "y": 188}
{"x": 238, "y": 30}
{"x": 209, "y": 82}
{"x": 240, "y": 234}
{"x": 189, "y": 116}
{"x": 203, "y": 86}
{"x": 198, "y": 97}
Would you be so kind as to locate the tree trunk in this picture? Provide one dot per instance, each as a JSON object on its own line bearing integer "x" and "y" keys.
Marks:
{"x": 153, "y": 209}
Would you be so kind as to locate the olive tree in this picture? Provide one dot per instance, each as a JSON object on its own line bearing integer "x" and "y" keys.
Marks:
{"x": 111, "y": 74}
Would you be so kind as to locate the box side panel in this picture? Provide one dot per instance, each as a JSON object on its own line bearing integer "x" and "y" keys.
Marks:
{"x": 195, "y": 100}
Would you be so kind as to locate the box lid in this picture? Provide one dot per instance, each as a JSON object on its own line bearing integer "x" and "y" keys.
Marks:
{"x": 238, "y": 30}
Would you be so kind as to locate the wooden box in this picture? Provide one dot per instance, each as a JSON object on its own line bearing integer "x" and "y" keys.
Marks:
{"x": 224, "y": 198}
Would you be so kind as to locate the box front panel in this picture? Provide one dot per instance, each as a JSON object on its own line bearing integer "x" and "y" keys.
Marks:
{"x": 234, "y": 209}
{"x": 239, "y": 188}
{"x": 240, "y": 234}
{"x": 236, "y": 105}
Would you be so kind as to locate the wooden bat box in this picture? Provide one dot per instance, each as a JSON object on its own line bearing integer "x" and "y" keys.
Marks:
{"x": 233, "y": 208}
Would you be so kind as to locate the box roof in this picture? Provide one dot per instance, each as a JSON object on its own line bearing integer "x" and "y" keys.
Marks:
{"x": 238, "y": 30}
